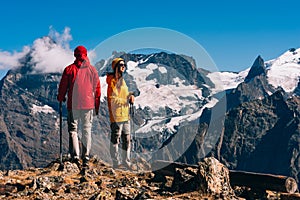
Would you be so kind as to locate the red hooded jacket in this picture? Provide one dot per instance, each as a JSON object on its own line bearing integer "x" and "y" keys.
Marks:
{"x": 81, "y": 82}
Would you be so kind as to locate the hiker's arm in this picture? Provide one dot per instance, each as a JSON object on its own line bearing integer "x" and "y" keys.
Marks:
{"x": 63, "y": 87}
{"x": 131, "y": 97}
{"x": 97, "y": 97}
{"x": 97, "y": 92}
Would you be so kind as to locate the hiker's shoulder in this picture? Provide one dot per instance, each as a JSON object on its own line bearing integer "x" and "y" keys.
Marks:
{"x": 109, "y": 77}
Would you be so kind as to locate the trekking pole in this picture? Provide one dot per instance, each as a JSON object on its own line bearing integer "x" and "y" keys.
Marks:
{"x": 60, "y": 132}
{"x": 134, "y": 134}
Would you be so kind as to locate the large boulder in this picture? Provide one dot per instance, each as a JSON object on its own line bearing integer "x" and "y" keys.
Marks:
{"x": 214, "y": 179}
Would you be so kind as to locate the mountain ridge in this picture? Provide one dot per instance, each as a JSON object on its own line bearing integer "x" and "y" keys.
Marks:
{"x": 173, "y": 112}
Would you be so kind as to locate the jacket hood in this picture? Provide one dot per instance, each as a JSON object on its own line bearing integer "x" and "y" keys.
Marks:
{"x": 79, "y": 62}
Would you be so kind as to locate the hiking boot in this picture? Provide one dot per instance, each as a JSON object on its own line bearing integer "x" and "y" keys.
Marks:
{"x": 86, "y": 160}
{"x": 115, "y": 165}
{"x": 126, "y": 166}
{"x": 121, "y": 167}
{"x": 133, "y": 167}
{"x": 76, "y": 161}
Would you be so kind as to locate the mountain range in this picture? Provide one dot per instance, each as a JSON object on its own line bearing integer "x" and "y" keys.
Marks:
{"x": 248, "y": 120}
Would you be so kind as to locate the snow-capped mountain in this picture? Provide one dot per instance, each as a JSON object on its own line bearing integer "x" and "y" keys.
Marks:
{"x": 283, "y": 72}
{"x": 261, "y": 127}
{"x": 170, "y": 93}
{"x": 174, "y": 108}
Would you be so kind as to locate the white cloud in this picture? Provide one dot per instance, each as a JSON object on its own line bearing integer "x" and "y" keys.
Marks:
{"x": 10, "y": 60}
{"x": 52, "y": 53}
{"x": 49, "y": 54}
{"x": 61, "y": 39}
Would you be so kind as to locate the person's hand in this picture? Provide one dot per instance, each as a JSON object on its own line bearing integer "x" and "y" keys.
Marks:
{"x": 131, "y": 99}
{"x": 60, "y": 100}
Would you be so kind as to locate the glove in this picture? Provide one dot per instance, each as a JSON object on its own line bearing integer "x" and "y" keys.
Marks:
{"x": 131, "y": 99}
{"x": 58, "y": 99}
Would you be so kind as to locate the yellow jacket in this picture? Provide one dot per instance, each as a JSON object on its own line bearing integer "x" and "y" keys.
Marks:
{"x": 117, "y": 99}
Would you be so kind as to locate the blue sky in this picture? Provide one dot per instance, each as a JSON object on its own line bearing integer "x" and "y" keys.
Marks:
{"x": 233, "y": 33}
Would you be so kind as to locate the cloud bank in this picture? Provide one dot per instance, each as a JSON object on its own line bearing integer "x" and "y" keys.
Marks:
{"x": 10, "y": 60}
{"x": 48, "y": 54}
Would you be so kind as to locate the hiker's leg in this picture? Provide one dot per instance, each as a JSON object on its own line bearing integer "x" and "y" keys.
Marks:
{"x": 74, "y": 134}
{"x": 86, "y": 118}
{"x": 72, "y": 130}
{"x": 126, "y": 143}
{"x": 114, "y": 143}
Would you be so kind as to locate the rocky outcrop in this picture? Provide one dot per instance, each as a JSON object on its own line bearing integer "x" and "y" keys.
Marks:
{"x": 100, "y": 181}
{"x": 255, "y": 86}
{"x": 297, "y": 90}
{"x": 257, "y": 69}
{"x": 214, "y": 179}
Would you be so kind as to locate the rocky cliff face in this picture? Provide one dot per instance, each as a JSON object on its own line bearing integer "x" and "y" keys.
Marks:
{"x": 271, "y": 145}
{"x": 261, "y": 130}
{"x": 254, "y": 87}
{"x": 30, "y": 120}
{"x": 258, "y": 68}
{"x": 27, "y": 141}
{"x": 297, "y": 90}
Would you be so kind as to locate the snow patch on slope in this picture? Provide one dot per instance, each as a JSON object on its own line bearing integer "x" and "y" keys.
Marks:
{"x": 42, "y": 109}
{"x": 226, "y": 80}
{"x": 156, "y": 97}
{"x": 285, "y": 70}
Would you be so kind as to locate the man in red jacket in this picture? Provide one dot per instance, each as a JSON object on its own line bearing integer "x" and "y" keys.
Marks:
{"x": 81, "y": 81}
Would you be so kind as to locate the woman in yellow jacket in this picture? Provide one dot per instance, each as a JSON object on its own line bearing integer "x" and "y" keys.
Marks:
{"x": 118, "y": 99}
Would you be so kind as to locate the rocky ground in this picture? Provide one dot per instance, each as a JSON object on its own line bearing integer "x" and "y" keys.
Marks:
{"x": 101, "y": 181}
